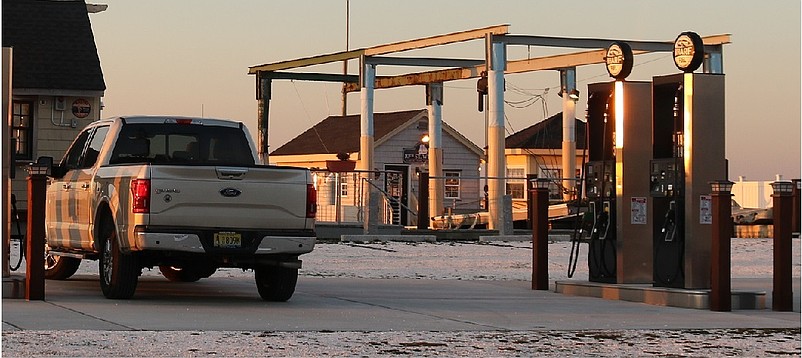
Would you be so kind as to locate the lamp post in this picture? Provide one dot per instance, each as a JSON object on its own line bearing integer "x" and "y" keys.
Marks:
{"x": 35, "y": 253}
{"x": 782, "y": 298}
{"x": 539, "y": 191}
{"x": 720, "y": 280}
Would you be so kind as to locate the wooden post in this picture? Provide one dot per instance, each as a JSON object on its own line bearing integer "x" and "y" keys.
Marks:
{"x": 35, "y": 253}
{"x": 423, "y": 201}
{"x": 540, "y": 237}
{"x": 782, "y": 298}
{"x": 720, "y": 280}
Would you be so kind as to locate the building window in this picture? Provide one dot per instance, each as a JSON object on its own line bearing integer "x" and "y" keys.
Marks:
{"x": 451, "y": 185}
{"x": 22, "y": 128}
{"x": 344, "y": 187}
{"x": 516, "y": 187}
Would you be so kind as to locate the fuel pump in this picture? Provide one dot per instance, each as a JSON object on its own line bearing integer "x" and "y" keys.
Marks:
{"x": 667, "y": 180}
{"x": 599, "y": 184}
{"x": 688, "y": 154}
{"x": 619, "y": 114}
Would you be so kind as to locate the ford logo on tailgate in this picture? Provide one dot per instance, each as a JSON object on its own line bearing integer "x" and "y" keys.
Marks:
{"x": 230, "y": 192}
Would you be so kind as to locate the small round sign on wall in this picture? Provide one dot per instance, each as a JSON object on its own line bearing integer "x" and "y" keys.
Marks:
{"x": 81, "y": 108}
{"x": 689, "y": 51}
{"x": 619, "y": 60}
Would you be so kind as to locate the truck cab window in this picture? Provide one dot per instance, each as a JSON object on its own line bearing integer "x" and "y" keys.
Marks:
{"x": 94, "y": 147}
{"x": 72, "y": 158}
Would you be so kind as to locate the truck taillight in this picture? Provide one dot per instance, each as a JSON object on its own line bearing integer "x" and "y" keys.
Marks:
{"x": 140, "y": 195}
{"x": 311, "y": 201}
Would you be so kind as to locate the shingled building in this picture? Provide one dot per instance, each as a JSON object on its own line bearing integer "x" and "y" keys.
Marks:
{"x": 57, "y": 81}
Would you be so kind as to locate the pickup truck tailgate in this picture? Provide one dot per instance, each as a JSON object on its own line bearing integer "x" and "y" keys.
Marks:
{"x": 229, "y": 197}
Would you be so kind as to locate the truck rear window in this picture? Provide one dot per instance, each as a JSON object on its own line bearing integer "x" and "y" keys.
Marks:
{"x": 181, "y": 144}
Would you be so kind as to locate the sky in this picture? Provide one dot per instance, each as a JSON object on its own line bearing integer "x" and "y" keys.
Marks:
{"x": 191, "y": 58}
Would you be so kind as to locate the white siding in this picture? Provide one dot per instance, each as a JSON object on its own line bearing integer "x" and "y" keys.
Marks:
{"x": 49, "y": 139}
{"x": 456, "y": 156}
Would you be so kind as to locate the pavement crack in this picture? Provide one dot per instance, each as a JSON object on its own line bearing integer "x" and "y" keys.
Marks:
{"x": 13, "y": 325}
{"x": 495, "y": 328}
{"x": 370, "y": 247}
{"x": 91, "y": 316}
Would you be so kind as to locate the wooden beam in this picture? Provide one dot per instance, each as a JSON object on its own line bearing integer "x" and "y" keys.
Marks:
{"x": 306, "y": 61}
{"x": 438, "y": 40}
{"x": 423, "y": 61}
{"x": 306, "y": 76}
{"x": 636, "y": 45}
{"x": 382, "y": 49}
{"x": 554, "y": 62}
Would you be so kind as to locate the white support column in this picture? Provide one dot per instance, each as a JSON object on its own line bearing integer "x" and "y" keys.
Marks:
{"x": 496, "y": 166}
{"x": 568, "y": 79}
{"x": 366, "y": 117}
{"x": 369, "y": 200}
{"x": 434, "y": 102}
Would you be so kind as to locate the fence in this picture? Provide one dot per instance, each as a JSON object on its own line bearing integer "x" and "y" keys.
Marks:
{"x": 341, "y": 196}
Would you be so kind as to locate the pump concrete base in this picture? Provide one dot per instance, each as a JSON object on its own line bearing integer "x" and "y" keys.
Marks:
{"x": 659, "y": 296}
{"x": 14, "y": 286}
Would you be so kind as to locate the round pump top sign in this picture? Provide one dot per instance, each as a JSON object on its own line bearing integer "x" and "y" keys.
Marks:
{"x": 689, "y": 51}
{"x": 618, "y": 60}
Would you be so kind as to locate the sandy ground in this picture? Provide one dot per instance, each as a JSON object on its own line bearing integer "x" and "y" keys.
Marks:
{"x": 449, "y": 261}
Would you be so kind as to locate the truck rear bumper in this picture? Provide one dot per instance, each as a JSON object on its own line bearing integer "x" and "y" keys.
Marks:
{"x": 191, "y": 243}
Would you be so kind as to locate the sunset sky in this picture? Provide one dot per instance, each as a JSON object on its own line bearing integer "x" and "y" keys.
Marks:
{"x": 183, "y": 57}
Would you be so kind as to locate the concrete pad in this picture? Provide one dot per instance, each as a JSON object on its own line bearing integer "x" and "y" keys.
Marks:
{"x": 386, "y": 238}
{"x": 14, "y": 286}
{"x": 350, "y": 304}
{"x": 660, "y": 296}
{"x": 522, "y": 238}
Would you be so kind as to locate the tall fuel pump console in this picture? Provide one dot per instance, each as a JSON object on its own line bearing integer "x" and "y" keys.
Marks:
{"x": 619, "y": 147}
{"x": 688, "y": 154}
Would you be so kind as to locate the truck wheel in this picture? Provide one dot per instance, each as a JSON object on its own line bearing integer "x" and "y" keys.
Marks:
{"x": 178, "y": 274}
{"x": 119, "y": 272}
{"x": 60, "y": 267}
{"x": 276, "y": 284}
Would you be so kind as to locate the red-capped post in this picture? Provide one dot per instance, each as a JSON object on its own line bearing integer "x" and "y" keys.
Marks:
{"x": 539, "y": 190}
{"x": 782, "y": 297}
{"x": 35, "y": 252}
{"x": 720, "y": 259}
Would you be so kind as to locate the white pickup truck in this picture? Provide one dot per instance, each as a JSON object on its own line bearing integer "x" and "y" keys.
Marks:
{"x": 182, "y": 194}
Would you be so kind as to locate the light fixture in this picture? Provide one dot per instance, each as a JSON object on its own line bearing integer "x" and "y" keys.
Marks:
{"x": 541, "y": 183}
{"x": 37, "y": 169}
{"x": 573, "y": 94}
{"x": 783, "y": 187}
{"x": 721, "y": 186}
{"x": 425, "y": 138}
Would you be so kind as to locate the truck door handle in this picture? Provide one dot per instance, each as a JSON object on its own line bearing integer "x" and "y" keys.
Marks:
{"x": 231, "y": 173}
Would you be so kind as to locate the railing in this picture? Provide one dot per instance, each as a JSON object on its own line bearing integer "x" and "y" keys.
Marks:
{"x": 341, "y": 196}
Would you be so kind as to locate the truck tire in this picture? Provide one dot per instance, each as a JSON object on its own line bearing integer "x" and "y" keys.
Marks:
{"x": 276, "y": 284}
{"x": 60, "y": 267}
{"x": 119, "y": 272}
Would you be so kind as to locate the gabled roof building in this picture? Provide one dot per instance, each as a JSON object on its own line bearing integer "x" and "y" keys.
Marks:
{"x": 400, "y": 148}
{"x": 537, "y": 150}
{"x": 57, "y": 81}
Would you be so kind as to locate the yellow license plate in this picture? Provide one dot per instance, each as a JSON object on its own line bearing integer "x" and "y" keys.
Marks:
{"x": 227, "y": 239}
